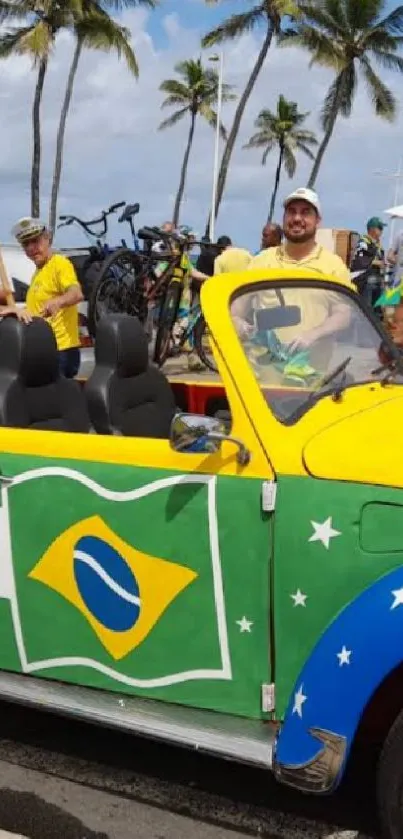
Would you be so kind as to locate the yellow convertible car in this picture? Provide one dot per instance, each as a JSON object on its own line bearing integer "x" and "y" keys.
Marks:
{"x": 230, "y": 582}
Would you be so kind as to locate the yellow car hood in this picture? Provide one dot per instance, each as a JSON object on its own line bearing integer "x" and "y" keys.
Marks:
{"x": 365, "y": 447}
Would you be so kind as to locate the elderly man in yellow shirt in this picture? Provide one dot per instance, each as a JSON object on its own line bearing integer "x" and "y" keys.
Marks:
{"x": 54, "y": 292}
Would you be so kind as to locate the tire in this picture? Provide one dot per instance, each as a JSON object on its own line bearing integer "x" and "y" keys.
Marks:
{"x": 169, "y": 313}
{"x": 200, "y": 339}
{"x": 390, "y": 782}
{"x": 113, "y": 291}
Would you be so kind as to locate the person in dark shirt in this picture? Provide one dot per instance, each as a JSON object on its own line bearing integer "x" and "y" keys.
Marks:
{"x": 208, "y": 253}
{"x": 369, "y": 260}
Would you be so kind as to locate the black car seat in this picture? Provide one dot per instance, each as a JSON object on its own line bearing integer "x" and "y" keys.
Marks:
{"x": 33, "y": 394}
{"x": 125, "y": 395}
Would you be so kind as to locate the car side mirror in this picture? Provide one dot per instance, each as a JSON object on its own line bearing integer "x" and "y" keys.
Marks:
{"x": 194, "y": 433}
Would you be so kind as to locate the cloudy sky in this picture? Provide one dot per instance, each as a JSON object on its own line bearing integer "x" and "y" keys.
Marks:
{"x": 115, "y": 152}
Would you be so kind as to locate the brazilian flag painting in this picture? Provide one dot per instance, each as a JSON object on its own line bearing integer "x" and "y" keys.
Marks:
{"x": 117, "y": 588}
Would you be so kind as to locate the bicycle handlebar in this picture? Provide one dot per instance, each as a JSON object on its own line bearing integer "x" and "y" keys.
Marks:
{"x": 115, "y": 207}
{"x": 87, "y": 225}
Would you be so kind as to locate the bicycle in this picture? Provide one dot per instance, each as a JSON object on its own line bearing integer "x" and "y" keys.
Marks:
{"x": 145, "y": 287}
{"x": 103, "y": 263}
{"x": 181, "y": 331}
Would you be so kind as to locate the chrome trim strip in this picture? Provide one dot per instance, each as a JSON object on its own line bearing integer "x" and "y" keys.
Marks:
{"x": 234, "y": 738}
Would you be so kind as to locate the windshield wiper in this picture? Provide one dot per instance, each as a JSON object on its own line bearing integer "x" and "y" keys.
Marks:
{"x": 393, "y": 368}
{"x": 341, "y": 368}
{"x": 327, "y": 380}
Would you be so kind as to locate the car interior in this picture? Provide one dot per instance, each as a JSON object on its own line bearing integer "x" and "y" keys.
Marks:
{"x": 125, "y": 395}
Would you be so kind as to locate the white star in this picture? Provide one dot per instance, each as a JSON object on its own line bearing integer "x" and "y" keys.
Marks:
{"x": 324, "y": 532}
{"x": 344, "y": 656}
{"x": 398, "y": 595}
{"x": 299, "y": 598}
{"x": 245, "y": 625}
{"x": 299, "y": 700}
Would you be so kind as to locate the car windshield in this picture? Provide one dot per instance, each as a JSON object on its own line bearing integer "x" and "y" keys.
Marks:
{"x": 304, "y": 341}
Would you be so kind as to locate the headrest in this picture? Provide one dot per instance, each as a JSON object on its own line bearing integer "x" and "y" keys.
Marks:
{"x": 122, "y": 345}
{"x": 29, "y": 351}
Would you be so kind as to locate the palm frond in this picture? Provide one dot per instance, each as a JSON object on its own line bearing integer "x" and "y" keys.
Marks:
{"x": 173, "y": 119}
{"x": 210, "y": 115}
{"x": 329, "y": 17}
{"x": 393, "y": 23}
{"x": 235, "y": 26}
{"x": 339, "y": 99}
{"x": 305, "y": 149}
{"x": 260, "y": 140}
{"x": 175, "y": 89}
{"x": 290, "y": 161}
{"x": 101, "y": 32}
{"x": 121, "y": 5}
{"x": 382, "y": 98}
{"x": 269, "y": 148}
{"x": 363, "y": 14}
{"x": 35, "y": 41}
{"x": 388, "y": 60}
{"x": 323, "y": 49}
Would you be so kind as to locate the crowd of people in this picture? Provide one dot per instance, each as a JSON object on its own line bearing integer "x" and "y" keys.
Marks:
{"x": 55, "y": 292}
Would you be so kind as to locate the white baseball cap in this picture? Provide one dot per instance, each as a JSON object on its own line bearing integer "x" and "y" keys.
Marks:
{"x": 304, "y": 194}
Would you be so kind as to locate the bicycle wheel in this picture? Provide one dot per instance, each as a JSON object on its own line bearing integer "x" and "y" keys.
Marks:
{"x": 113, "y": 292}
{"x": 168, "y": 315}
{"x": 202, "y": 344}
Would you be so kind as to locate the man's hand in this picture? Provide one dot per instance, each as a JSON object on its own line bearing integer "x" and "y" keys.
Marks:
{"x": 23, "y": 315}
{"x": 51, "y": 307}
{"x": 303, "y": 341}
{"x": 244, "y": 329}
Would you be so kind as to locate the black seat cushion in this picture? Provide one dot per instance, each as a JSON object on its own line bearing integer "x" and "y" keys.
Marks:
{"x": 124, "y": 394}
{"x": 33, "y": 394}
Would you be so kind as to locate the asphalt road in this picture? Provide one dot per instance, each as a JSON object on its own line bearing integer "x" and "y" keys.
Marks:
{"x": 65, "y": 780}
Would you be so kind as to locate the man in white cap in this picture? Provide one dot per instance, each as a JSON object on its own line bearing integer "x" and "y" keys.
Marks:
{"x": 54, "y": 292}
{"x": 323, "y": 314}
{"x": 302, "y": 217}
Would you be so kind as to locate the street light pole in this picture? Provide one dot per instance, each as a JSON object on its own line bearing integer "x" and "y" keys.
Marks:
{"x": 220, "y": 59}
{"x": 394, "y": 176}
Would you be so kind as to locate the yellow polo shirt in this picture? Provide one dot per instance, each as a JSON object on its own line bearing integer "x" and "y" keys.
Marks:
{"x": 232, "y": 260}
{"x": 320, "y": 260}
{"x": 52, "y": 280}
{"x": 316, "y": 306}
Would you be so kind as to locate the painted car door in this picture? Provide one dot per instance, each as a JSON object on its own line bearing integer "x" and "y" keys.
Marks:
{"x": 129, "y": 567}
{"x": 337, "y": 561}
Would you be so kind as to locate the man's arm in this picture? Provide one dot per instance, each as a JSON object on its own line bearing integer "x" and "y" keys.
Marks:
{"x": 71, "y": 297}
{"x": 69, "y": 288}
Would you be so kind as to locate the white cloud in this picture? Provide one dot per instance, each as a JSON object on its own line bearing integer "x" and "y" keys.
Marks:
{"x": 114, "y": 150}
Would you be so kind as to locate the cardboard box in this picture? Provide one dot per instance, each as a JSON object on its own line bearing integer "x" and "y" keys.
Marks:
{"x": 340, "y": 241}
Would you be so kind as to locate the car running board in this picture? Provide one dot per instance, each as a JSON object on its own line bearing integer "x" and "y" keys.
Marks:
{"x": 230, "y": 737}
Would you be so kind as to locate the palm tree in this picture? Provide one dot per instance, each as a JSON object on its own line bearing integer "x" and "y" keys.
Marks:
{"x": 194, "y": 94}
{"x": 348, "y": 36}
{"x": 267, "y": 14}
{"x": 282, "y": 130}
{"x": 94, "y": 28}
{"x": 36, "y": 38}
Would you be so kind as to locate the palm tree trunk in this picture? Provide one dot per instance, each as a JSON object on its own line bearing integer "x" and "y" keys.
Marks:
{"x": 276, "y": 184}
{"x": 36, "y": 130}
{"x": 179, "y": 196}
{"x": 61, "y": 134}
{"x": 232, "y": 136}
{"x": 326, "y": 140}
